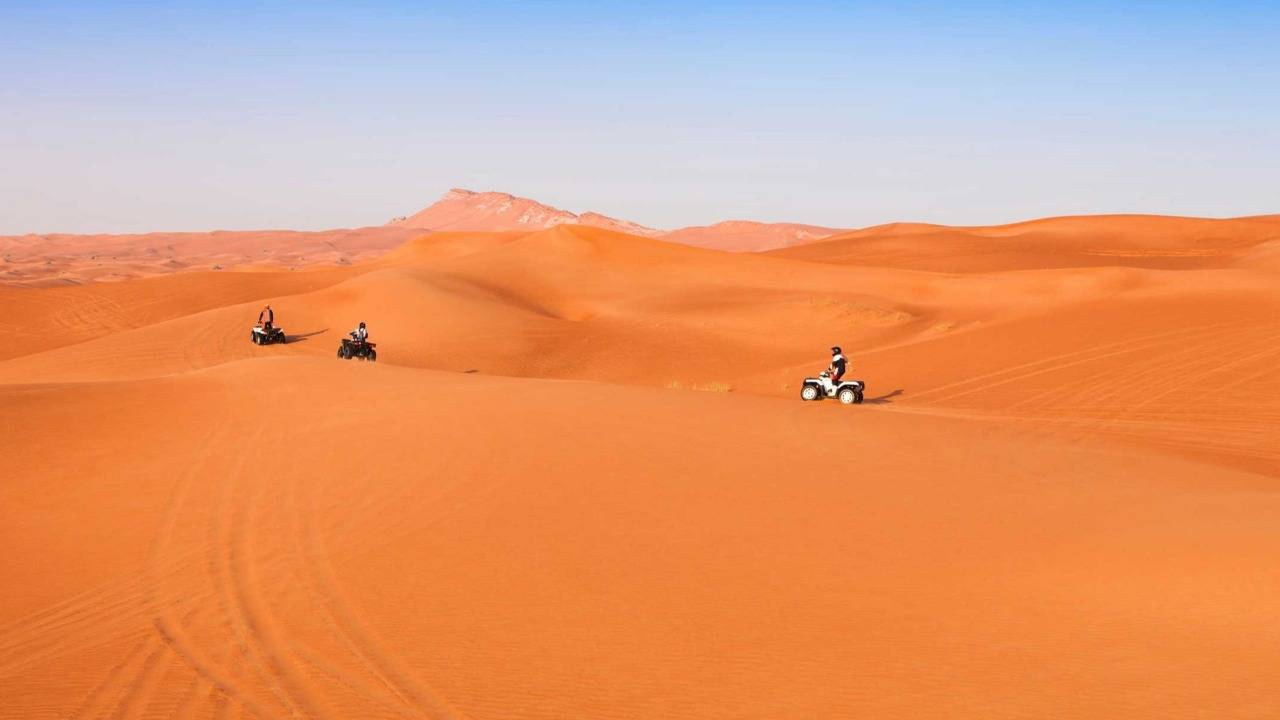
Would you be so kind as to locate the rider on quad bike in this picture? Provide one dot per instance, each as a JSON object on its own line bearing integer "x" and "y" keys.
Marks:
{"x": 358, "y": 345}
{"x": 267, "y": 318}
{"x": 831, "y": 383}
{"x": 266, "y": 332}
{"x": 838, "y": 365}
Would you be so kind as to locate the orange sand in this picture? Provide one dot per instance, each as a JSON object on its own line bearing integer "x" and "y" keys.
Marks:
{"x": 55, "y": 259}
{"x": 748, "y": 236}
{"x": 579, "y": 482}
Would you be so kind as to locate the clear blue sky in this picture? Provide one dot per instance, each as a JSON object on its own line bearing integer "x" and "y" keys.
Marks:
{"x": 125, "y": 117}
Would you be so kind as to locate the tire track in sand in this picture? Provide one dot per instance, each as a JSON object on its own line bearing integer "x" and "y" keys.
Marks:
{"x": 357, "y": 637}
{"x": 171, "y": 630}
{"x": 1106, "y": 383}
{"x": 1213, "y": 369}
{"x": 92, "y": 704}
{"x": 127, "y": 688}
{"x": 1177, "y": 364}
{"x": 1056, "y": 362}
{"x": 186, "y": 707}
{"x": 326, "y": 601}
{"x": 133, "y": 702}
{"x": 242, "y": 593}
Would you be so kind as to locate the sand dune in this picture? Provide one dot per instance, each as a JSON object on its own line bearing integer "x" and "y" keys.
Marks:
{"x": 1083, "y": 241}
{"x": 579, "y": 481}
{"x": 748, "y": 236}
{"x": 65, "y": 259}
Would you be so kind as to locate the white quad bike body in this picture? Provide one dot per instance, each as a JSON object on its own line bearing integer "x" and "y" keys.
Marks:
{"x": 849, "y": 392}
{"x": 260, "y": 336}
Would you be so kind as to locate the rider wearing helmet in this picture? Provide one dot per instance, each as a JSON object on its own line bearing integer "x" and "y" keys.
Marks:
{"x": 360, "y": 333}
{"x": 838, "y": 365}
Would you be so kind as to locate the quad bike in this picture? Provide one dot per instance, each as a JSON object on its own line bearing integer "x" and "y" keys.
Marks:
{"x": 265, "y": 335}
{"x": 849, "y": 392}
{"x": 354, "y": 348}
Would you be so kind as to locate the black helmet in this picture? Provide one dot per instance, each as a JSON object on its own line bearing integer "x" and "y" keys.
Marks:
{"x": 361, "y": 323}
{"x": 835, "y": 350}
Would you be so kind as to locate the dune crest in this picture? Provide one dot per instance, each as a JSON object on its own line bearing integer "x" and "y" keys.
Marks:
{"x": 748, "y": 236}
{"x": 1151, "y": 241}
{"x": 51, "y": 259}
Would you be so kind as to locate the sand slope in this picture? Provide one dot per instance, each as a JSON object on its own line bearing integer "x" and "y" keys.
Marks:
{"x": 579, "y": 483}
{"x": 748, "y": 236}
{"x": 1083, "y": 241}
{"x": 68, "y": 259}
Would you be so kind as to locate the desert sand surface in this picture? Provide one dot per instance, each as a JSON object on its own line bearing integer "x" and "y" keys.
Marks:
{"x": 579, "y": 481}
{"x": 61, "y": 259}
{"x": 1151, "y": 241}
{"x": 749, "y": 236}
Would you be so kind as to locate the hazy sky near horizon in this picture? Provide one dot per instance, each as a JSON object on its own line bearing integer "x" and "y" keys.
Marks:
{"x": 129, "y": 116}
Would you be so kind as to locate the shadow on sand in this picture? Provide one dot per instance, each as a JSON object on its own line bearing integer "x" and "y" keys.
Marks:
{"x": 299, "y": 338}
{"x": 886, "y": 399}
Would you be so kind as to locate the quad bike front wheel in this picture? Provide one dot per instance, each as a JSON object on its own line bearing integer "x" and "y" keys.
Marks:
{"x": 809, "y": 392}
{"x": 373, "y": 356}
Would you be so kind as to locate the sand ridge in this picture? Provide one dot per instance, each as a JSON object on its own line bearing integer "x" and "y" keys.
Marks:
{"x": 58, "y": 259}
{"x": 1150, "y": 241}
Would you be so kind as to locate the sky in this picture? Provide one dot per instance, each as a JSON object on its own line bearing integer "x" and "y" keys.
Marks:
{"x": 137, "y": 116}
